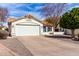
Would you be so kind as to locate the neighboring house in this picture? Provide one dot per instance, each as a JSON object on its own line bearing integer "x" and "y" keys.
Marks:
{"x": 29, "y": 26}
{"x": 47, "y": 27}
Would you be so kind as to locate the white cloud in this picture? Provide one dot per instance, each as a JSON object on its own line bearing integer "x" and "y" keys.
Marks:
{"x": 40, "y": 7}
{"x": 15, "y": 11}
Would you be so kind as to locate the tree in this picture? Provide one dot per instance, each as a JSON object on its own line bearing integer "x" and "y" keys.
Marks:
{"x": 53, "y": 11}
{"x": 49, "y": 21}
{"x": 3, "y": 20}
{"x": 3, "y": 15}
{"x": 10, "y": 20}
{"x": 70, "y": 20}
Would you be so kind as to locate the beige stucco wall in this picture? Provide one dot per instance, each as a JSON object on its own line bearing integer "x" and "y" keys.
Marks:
{"x": 69, "y": 31}
{"x": 77, "y": 31}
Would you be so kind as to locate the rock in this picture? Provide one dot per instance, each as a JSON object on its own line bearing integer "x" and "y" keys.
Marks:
{"x": 75, "y": 39}
{"x": 4, "y": 34}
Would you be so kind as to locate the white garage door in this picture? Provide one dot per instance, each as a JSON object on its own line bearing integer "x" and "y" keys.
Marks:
{"x": 27, "y": 30}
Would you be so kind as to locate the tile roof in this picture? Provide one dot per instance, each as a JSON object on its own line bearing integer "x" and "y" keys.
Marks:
{"x": 11, "y": 19}
{"x": 28, "y": 16}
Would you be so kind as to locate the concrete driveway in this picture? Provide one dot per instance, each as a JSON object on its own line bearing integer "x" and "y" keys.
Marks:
{"x": 13, "y": 47}
{"x": 38, "y": 46}
{"x": 44, "y": 46}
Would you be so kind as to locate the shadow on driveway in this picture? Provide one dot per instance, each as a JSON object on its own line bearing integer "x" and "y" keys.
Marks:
{"x": 16, "y": 46}
{"x": 59, "y": 36}
{"x": 66, "y": 38}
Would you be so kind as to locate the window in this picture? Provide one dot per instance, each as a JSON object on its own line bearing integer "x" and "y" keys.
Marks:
{"x": 49, "y": 28}
{"x": 44, "y": 28}
{"x": 61, "y": 29}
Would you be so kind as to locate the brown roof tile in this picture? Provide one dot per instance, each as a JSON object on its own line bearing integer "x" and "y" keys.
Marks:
{"x": 11, "y": 19}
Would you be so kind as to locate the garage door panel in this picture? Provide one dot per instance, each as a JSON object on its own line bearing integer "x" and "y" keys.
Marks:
{"x": 27, "y": 30}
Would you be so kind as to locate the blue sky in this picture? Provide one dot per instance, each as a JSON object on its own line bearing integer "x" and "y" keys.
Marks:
{"x": 20, "y": 9}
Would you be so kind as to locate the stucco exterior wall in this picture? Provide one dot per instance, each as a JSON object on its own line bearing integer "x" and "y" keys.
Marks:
{"x": 67, "y": 31}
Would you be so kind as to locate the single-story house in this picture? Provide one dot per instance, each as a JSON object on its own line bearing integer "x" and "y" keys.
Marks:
{"x": 28, "y": 26}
